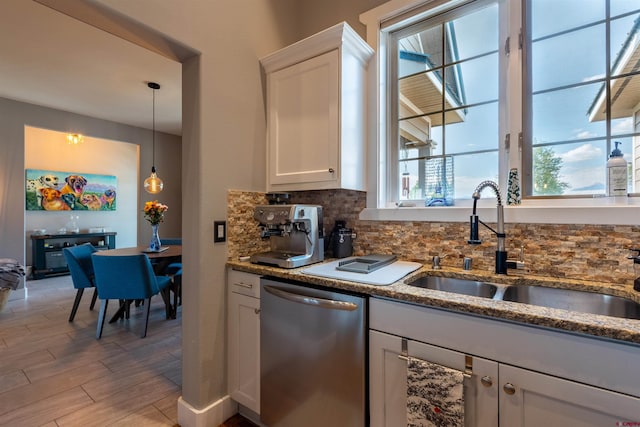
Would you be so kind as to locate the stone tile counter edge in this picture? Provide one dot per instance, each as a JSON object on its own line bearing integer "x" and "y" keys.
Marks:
{"x": 627, "y": 330}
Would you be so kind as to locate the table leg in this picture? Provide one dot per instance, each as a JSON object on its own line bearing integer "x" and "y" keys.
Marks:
{"x": 121, "y": 311}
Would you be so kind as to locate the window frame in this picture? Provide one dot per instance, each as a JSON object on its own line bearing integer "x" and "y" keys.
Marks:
{"x": 566, "y": 210}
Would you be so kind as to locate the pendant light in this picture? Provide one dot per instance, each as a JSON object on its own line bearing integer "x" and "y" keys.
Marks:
{"x": 153, "y": 184}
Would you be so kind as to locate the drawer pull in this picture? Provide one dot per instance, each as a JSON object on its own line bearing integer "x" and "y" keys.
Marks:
{"x": 244, "y": 285}
{"x": 486, "y": 381}
{"x": 256, "y": 310}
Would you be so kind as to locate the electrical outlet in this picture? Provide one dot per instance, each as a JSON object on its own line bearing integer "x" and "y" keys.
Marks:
{"x": 219, "y": 231}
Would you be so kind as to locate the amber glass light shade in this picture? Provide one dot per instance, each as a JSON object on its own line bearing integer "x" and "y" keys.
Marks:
{"x": 153, "y": 184}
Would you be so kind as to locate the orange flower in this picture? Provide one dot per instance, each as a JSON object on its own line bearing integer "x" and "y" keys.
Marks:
{"x": 154, "y": 212}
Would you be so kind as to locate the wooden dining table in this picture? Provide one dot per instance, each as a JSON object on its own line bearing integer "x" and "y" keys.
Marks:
{"x": 159, "y": 259}
{"x": 172, "y": 251}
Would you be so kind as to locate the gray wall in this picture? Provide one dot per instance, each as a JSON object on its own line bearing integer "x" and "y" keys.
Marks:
{"x": 15, "y": 115}
{"x": 315, "y": 16}
{"x": 224, "y": 133}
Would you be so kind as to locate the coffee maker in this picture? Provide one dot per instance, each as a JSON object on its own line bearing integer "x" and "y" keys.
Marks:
{"x": 295, "y": 234}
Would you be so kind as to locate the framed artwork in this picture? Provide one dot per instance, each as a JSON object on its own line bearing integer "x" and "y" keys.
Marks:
{"x": 69, "y": 191}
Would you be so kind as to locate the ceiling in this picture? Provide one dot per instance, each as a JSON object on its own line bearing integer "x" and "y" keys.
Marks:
{"x": 52, "y": 60}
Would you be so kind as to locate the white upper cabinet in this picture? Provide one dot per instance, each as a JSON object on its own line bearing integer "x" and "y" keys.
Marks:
{"x": 316, "y": 117}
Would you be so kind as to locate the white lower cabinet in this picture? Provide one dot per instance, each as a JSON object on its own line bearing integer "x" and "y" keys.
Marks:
{"x": 388, "y": 381}
{"x": 243, "y": 338}
{"x": 532, "y": 399}
{"x": 564, "y": 385}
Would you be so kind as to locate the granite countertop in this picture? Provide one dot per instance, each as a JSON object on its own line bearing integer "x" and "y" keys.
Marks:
{"x": 627, "y": 330}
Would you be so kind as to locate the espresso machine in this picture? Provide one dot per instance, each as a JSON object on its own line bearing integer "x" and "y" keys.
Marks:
{"x": 295, "y": 233}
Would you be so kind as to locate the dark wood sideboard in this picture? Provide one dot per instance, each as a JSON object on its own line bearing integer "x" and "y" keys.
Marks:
{"x": 47, "y": 258}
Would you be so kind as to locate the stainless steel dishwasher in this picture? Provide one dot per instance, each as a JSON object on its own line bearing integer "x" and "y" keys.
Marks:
{"x": 312, "y": 356}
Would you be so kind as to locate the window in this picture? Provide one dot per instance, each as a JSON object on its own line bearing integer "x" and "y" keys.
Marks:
{"x": 452, "y": 101}
{"x": 445, "y": 110}
{"x": 583, "y": 88}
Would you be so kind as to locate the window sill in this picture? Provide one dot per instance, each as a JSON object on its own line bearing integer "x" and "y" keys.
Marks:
{"x": 604, "y": 211}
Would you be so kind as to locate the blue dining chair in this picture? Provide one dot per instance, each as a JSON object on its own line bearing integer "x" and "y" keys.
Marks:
{"x": 174, "y": 270}
{"x": 176, "y": 278}
{"x": 128, "y": 278}
{"x": 78, "y": 260}
{"x": 174, "y": 266}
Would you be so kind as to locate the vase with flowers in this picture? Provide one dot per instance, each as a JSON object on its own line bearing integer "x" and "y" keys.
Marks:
{"x": 154, "y": 213}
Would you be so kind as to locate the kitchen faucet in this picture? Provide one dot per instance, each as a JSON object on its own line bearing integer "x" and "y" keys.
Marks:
{"x": 501, "y": 253}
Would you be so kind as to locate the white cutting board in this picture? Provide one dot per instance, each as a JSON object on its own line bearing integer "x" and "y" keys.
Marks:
{"x": 383, "y": 276}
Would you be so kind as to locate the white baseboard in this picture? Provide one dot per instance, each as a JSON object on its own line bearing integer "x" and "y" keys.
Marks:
{"x": 209, "y": 416}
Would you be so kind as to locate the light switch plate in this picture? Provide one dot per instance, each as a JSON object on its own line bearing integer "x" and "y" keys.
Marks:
{"x": 219, "y": 231}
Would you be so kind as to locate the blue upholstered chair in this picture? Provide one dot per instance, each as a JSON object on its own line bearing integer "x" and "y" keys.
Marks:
{"x": 174, "y": 266}
{"x": 81, "y": 268}
{"x": 127, "y": 278}
{"x": 174, "y": 270}
{"x": 177, "y": 291}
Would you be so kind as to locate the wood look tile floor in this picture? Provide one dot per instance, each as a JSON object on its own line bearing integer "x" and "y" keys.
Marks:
{"x": 55, "y": 373}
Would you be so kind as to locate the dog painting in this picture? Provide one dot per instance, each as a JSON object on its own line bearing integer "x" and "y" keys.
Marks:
{"x": 63, "y": 191}
{"x": 43, "y": 181}
{"x": 74, "y": 184}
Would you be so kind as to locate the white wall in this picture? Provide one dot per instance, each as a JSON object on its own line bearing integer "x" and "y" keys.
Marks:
{"x": 48, "y": 150}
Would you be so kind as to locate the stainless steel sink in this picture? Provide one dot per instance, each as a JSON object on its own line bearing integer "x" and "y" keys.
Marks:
{"x": 566, "y": 299}
{"x": 458, "y": 286}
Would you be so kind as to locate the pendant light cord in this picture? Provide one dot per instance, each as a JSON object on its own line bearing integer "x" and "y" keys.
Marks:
{"x": 154, "y": 86}
{"x": 153, "y": 135}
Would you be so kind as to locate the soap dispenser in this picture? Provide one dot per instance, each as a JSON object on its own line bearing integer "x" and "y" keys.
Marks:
{"x": 636, "y": 269}
{"x": 617, "y": 173}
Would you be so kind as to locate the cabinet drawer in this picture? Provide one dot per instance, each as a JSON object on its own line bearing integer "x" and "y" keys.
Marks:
{"x": 244, "y": 283}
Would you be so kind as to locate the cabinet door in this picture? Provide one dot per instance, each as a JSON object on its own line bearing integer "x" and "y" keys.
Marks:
{"x": 304, "y": 122}
{"x": 388, "y": 381}
{"x": 244, "y": 350}
{"x": 532, "y": 399}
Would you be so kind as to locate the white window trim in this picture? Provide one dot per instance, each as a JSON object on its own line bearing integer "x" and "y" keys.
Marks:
{"x": 600, "y": 210}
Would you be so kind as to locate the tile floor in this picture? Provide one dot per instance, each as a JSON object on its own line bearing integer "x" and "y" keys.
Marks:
{"x": 55, "y": 373}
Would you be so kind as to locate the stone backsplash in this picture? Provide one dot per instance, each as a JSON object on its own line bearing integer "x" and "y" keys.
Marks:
{"x": 584, "y": 252}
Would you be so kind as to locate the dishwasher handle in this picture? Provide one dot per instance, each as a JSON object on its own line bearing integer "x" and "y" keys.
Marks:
{"x": 308, "y": 300}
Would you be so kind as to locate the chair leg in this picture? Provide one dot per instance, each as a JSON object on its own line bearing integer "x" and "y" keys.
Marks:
{"x": 101, "y": 316}
{"x": 167, "y": 303}
{"x": 147, "y": 309}
{"x": 94, "y": 298}
{"x": 176, "y": 291}
{"x": 76, "y": 303}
